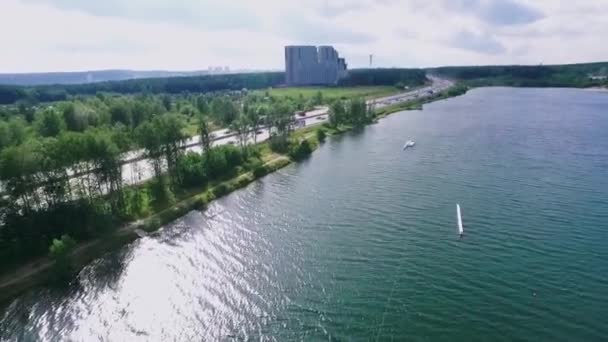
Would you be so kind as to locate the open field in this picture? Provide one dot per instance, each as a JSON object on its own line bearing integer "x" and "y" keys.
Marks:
{"x": 331, "y": 92}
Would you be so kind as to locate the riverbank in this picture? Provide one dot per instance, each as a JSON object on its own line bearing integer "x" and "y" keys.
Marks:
{"x": 38, "y": 272}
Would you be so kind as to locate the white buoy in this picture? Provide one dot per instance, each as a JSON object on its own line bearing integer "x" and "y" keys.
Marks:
{"x": 460, "y": 229}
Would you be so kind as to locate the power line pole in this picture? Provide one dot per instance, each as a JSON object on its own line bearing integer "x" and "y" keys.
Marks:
{"x": 371, "y": 59}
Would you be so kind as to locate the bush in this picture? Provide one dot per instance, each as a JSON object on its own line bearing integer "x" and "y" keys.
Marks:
{"x": 216, "y": 163}
{"x": 251, "y": 162}
{"x": 321, "y": 135}
{"x": 59, "y": 251}
{"x": 161, "y": 192}
{"x": 137, "y": 203}
{"x": 259, "y": 170}
{"x": 279, "y": 144}
{"x": 61, "y": 247}
{"x": 220, "y": 190}
{"x": 300, "y": 151}
{"x": 234, "y": 155}
{"x": 191, "y": 170}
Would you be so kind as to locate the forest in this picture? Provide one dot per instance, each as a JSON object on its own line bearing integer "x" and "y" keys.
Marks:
{"x": 10, "y": 94}
{"x": 572, "y": 75}
{"x": 61, "y": 161}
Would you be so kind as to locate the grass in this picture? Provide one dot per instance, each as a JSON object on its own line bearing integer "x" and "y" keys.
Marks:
{"x": 331, "y": 92}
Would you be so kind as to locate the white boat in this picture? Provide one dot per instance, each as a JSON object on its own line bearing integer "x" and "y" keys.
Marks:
{"x": 409, "y": 143}
{"x": 460, "y": 229}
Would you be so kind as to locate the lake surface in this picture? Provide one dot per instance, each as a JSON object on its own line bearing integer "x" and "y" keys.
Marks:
{"x": 360, "y": 241}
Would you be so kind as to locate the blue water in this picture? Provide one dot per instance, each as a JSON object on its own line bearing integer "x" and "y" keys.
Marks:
{"x": 360, "y": 242}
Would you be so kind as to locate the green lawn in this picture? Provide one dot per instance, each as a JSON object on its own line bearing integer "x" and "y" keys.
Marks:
{"x": 331, "y": 92}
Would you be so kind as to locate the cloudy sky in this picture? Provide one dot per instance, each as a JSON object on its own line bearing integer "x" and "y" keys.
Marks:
{"x": 68, "y": 35}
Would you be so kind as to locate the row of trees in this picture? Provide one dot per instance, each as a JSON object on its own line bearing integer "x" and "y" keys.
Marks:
{"x": 61, "y": 173}
{"x": 198, "y": 84}
{"x": 573, "y": 75}
{"x": 168, "y": 85}
{"x": 354, "y": 112}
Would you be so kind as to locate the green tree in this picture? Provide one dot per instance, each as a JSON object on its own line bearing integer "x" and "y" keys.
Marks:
{"x": 281, "y": 123}
{"x": 192, "y": 169}
{"x": 120, "y": 113}
{"x": 140, "y": 112}
{"x": 50, "y": 123}
{"x": 75, "y": 120}
{"x": 255, "y": 116}
{"x": 300, "y": 102}
{"x": 318, "y": 98}
{"x": 357, "y": 113}
{"x": 20, "y": 172}
{"x": 241, "y": 127}
{"x": 202, "y": 105}
{"x": 205, "y": 135}
{"x": 5, "y": 135}
{"x": 321, "y": 135}
{"x": 148, "y": 138}
{"x": 104, "y": 156}
{"x": 162, "y": 138}
{"x": 59, "y": 251}
{"x": 224, "y": 110}
{"x": 337, "y": 113}
{"x": 17, "y": 127}
{"x": 166, "y": 100}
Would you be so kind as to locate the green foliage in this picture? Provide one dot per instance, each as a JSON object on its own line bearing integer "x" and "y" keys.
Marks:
{"x": 216, "y": 163}
{"x": 457, "y": 90}
{"x": 120, "y": 113}
{"x": 224, "y": 110}
{"x": 160, "y": 190}
{"x": 259, "y": 170}
{"x": 204, "y": 133}
{"x": 60, "y": 248}
{"x": 299, "y": 151}
{"x": 202, "y": 105}
{"x": 137, "y": 203}
{"x": 321, "y": 135}
{"x": 59, "y": 251}
{"x": 572, "y": 75}
{"x": 222, "y": 160}
{"x": 220, "y": 190}
{"x": 337, "y": 113}
{"x": 76, "y": 121}
{"x": 318, "y": 98}
{"x": 315, "y": 96}
{"x": 354, "y": 112}
{"x": 387, "y": 77}
{"x": 50, "y": 123}
{"x": 192, "y": 170}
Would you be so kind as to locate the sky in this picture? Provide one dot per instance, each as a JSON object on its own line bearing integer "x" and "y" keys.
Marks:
{"x": 72, "y": 35}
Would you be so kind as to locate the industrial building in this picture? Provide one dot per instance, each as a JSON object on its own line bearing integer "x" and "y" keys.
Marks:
{"x": 309, "y": 65}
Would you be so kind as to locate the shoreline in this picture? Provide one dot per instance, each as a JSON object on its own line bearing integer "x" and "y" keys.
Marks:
{"x": 37, "y": 272}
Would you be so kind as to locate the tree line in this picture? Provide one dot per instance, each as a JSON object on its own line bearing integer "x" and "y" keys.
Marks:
{"x": 354, "y": 112}
{"x": 572, "y": 75}
{"x": 10, "y": 94}
{"x": 61, "y": 164}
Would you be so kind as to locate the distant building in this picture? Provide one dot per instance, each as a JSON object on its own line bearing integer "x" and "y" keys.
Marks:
{"x": 309, "y": 65}
{"x": 218, "y": 70}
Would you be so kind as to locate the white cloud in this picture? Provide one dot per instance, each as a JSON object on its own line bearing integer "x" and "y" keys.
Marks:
{"x": 50, "y": 35}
